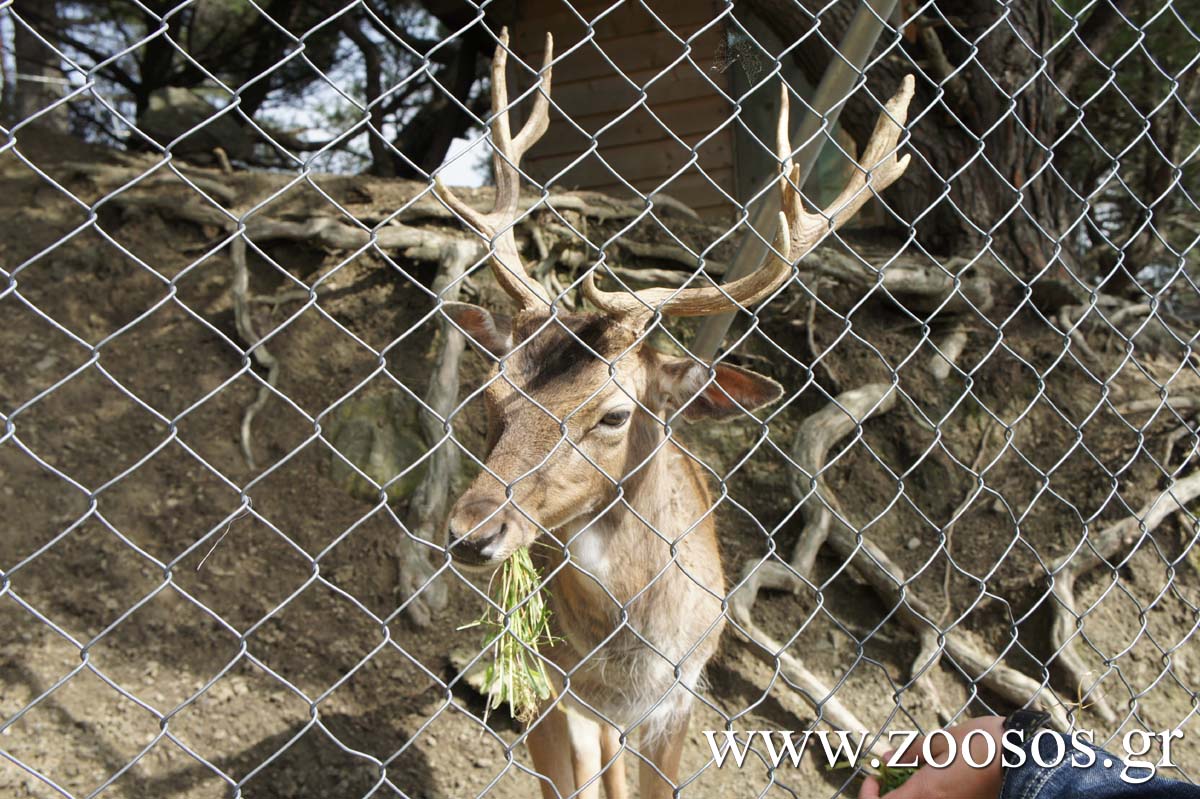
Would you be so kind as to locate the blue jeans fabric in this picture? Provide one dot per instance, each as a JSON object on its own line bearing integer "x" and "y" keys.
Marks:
{"x": 1072, "y": 779}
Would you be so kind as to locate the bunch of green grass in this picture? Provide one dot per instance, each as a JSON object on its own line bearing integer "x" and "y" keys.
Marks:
{"x": 890, "y": 777}
{"x": 515, "y": 629}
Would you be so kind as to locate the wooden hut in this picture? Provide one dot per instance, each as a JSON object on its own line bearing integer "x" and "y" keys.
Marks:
{"x": 647, "y": 95}
{"x": 643, "y": 92}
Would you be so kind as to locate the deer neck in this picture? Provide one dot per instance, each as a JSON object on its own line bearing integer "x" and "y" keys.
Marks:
{"x": 624, "y": 550}
{"x": 622, "y": 583}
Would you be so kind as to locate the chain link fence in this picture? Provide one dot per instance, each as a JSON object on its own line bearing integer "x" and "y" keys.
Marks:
{"x": 272, "y": 417}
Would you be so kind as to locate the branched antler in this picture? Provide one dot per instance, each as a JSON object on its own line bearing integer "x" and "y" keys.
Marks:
{"x": 799, "y": 231}
{"x": 507, "y": 151}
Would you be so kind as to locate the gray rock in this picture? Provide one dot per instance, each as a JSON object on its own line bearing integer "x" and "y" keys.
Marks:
{"x": 379, "y": 434}
{"x": 176, "y": 112}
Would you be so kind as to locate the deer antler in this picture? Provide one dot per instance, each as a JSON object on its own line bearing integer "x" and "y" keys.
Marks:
{"x": 799, "y": 231}
{"x": 507, "y": 151}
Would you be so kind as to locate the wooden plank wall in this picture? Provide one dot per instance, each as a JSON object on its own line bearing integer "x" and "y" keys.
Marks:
{"x": 683, "y": 123}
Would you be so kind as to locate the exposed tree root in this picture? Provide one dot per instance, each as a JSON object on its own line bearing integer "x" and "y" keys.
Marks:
{"x": 929, "y": 656}
{"x": 1128, "y": 312}
{"x": 1183, "y": 431}
{"x": 949, "y": 349}
{"x": 1071, "y": 327}
{"x": 823, "y": 524}
{"x": 816, "y": 436}
{"x": 948, "y": 532}
{"x": 275, "y": 300}
{"x": 244, "y": 322}
{"x": 814, "y": 690}
{"x": 924, "y": 664}
{"x": 223, "y": 160}
{"x": 417, "y": 244}
{"x": 1176, "y": 403}
{"x": 912, "y": 281}
{"x": 174, "y": 174}
{"x": 1099, "y": 549}
{"x": 1119, "y": 311}
{"x": 818, "y": 433}
{"x": 429, "y": 502}
{"x": 823, "y": 699}
{"x": 976, "y": 665}
{"x": 810, "y": 332}
{"x": 673, "y": 253}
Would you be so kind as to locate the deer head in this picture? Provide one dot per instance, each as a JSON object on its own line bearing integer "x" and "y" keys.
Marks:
{"x": 579, "y": 404}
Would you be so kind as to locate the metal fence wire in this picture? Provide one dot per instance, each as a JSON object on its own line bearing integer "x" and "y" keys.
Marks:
{"x": 822, "y": 396}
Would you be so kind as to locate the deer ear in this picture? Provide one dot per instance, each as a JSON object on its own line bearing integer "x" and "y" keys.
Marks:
{"x": 729, "y": 392}
{"x": 491, "y": 332}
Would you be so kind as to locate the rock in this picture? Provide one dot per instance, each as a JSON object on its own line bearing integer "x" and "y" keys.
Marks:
{"x": 459, "y": 659}
{"x": 176, "y": 112}
{"x": 378, "y": 433}
{"x": 913, "y": 544}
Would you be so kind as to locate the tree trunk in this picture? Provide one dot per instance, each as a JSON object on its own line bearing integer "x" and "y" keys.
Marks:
{"x": 426, "y": 138}
{"x": 37, "y": 83}
{"x": 980, "y": 172}
{"x": 381, "y": 155}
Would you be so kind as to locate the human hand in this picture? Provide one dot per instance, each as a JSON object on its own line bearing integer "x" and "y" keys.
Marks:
{"x": 958, "y": 780}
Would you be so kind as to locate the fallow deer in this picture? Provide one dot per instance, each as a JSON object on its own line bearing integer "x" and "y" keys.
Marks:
{"x": 580, "y": 413}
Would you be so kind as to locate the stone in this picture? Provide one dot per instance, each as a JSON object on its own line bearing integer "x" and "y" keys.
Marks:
{"x": 193, "y": 126}
{"x": 379, "y": 434}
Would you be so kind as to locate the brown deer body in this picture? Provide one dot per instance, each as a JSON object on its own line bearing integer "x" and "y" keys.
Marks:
{"x": 581, "y": 413}
{"x": 612, "y": 563}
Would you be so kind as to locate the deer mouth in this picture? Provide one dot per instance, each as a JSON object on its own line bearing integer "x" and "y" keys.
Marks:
{"x": 484, "y": 534}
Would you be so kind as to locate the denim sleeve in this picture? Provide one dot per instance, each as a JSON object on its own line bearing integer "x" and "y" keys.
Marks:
{"x": 1073, "y": 778}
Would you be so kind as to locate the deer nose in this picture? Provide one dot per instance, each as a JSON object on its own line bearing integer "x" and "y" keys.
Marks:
{"x": 477, "y": 530}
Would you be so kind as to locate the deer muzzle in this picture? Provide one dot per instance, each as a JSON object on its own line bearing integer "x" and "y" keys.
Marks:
{"x": 485, "y": 531}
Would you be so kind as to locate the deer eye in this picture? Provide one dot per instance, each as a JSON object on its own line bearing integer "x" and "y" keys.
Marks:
{"x": 616, "y": 418}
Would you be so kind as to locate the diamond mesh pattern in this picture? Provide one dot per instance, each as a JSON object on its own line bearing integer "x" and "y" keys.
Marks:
{"x": 236, "y": 415}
